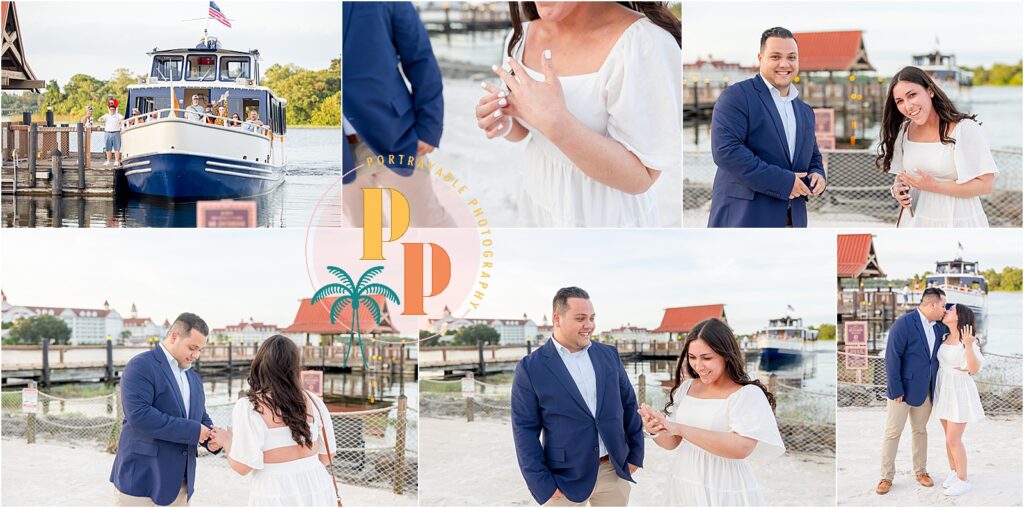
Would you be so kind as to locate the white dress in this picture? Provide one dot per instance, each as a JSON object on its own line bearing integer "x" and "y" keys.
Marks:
{"x": 700, "y": 478}
{"x": 302, "y": 482}
{"x": 956, "y": 395}
{"x": 960, "y": 162}
{"x": 635, "y": 99}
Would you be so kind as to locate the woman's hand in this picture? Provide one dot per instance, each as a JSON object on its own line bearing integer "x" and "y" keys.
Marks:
{"x": 967, "y": 335}
{"x": 539, "y": 103}
{"x": 493, "y": 113}
{"x": 901, "y": 192}
{"x": 222, "y": 438}
{"x": 651, "y": 424}
{"x": 918, "y": 180}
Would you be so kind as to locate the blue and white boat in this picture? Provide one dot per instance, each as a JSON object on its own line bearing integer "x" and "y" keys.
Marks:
{"x": 170, "y": 153}
{"x": 963, "y": 283}
{"x": 785, "y": 340}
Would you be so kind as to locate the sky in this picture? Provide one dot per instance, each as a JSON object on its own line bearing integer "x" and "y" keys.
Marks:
{"x": 978, "y": 33}
{"x": 66, "y": 38}
{"x": 229, "y": 275}
{"x": 904, "y": 253}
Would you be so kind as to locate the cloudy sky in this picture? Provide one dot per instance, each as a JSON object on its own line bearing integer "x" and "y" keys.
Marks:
{"x": 981, "y": 34}
{"x": 227, "y": 275}
{"x": 908, "y": 252}
{"x": 70, "y": 37}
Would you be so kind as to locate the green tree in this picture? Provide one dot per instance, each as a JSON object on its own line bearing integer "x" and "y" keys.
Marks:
{"x": 356, "y": 296}
{"x": 34, "y": 329}
{"x": 472, "y": 335}
{"x": 827, "y": 332}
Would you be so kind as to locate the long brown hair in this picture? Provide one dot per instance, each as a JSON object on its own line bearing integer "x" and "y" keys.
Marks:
{"x": 274, "y": 385}
{"x": 657, "y": 12}
{"x": 893, "y": 120}
{"x": 720, "y": 339}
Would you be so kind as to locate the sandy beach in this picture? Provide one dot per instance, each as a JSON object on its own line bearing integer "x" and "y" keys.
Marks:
{"x": 698, "y": 218}
{"x": 57, "y": 475}
{"x": 993, "y": 455}
{"x": 467, "y": 464}
{"x": 491, "y": 168}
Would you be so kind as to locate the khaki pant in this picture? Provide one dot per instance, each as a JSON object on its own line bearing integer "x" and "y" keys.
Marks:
{"x": 123, "y": 499}
{"x": 895, "y": 420}
{"x": 609, "y": 490}
{"x": 424, "y": 208}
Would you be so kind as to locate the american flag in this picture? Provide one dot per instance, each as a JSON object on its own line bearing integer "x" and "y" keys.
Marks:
{"x": 216, "y": 14}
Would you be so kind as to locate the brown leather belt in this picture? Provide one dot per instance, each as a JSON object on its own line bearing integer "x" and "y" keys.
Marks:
{"x": 604, "y": 459}
{"x": 352, "y": 138}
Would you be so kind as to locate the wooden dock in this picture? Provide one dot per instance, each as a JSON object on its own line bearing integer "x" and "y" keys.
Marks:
{"x": 54, "y": 160}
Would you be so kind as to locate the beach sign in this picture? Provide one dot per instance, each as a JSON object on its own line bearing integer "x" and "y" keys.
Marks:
{"x": 855, "y": 333}
{"x": 467, "y": 387}
{"x": 30, "y": 400}
{"x": 313, "y": 381}
{"x": 856, "y": 358}
{"x": 226, "y": 214}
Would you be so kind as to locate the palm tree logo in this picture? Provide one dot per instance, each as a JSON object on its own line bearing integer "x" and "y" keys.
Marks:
{"x": 358, "y": 295}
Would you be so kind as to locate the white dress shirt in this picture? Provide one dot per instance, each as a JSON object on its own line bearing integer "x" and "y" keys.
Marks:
{"x": 929, "y": 331}
{"x": 786, "y": 112}
{"x": 582, "y": 371}
{"x": 180, "y": 376}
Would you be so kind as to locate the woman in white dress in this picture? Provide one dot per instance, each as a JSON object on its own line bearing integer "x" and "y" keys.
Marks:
{"x": 277, "y": 433}
{"x": 940, "y": 157}
{"x": 597, "y": 84}
{"x": 956, "y": 401}
{"x": 717, "y": 418}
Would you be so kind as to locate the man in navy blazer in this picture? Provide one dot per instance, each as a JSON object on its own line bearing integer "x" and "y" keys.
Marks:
{"x": 577, "y": 433}
{"x": 165, "y": 420}
{"x": 911, "y": 363}
{"x": 389, "y": 129}
{"x": 762, "y": 140}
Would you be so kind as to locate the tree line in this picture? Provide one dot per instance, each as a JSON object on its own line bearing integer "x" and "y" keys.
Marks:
{"x": 997, "y": 75}
{"x": 314, "y": 96}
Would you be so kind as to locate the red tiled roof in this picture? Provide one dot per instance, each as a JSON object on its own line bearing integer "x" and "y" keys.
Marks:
{"x": 136, "y": 321}
{"x": 682, "y": 319}
{"x": 315, "y": 318}
{"x": 828, "y": 51}
{"x": 56, "y": 311}
{"x": 852, "y": 254}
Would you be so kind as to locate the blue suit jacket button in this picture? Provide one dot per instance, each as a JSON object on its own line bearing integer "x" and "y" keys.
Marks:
{"x": 597, "y": 448}
{"x": 184, "y": 453}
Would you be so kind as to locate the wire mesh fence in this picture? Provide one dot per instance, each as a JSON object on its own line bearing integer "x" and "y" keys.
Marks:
{"x": 807, "y": 419}
{"x": 999, "y": 382}
{"x": 376, "y": 448}
{"x": 857, "y": 192}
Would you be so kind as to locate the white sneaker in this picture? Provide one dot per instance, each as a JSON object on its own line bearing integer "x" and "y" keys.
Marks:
{"x": 949, "y": 479}
{"x": 958, "y": 488}
{"x": 107, "y": 163}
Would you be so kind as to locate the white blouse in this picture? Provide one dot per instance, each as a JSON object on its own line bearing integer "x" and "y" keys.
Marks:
{"x": 251, "y": 436}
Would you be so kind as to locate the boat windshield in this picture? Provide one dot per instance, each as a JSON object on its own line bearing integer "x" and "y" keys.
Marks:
{"x": 167, "y": 68}
{"x": 202, "y": 68}
{"x": 232, "y": 68}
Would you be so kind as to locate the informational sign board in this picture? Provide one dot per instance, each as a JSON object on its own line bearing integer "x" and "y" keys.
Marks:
{"x": 226, "y": 214}
{"x": 855, "y": 333}
{"x": 825, "y": 128}
{"x": 313, "y": 381}
{"x": 29, "y": 400}
{"x": 467, "y": 387}
{"x": 856, "y": 357}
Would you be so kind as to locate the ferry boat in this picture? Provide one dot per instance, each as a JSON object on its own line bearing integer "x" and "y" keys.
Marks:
{"x": 955, "y": 82}
{"x": 785, "y": 339}
{"x": 170, "y": 152}
{"x": 963, "y": 283}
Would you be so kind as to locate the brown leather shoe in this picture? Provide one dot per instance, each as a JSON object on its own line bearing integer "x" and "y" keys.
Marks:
{"x": 883, "y": 487}
{"x": 925, "y": 480}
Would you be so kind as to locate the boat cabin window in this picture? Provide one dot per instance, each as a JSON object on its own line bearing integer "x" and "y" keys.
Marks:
{"x": 144, "y": 104}
{"x": 234, "y": 67}
{"x": 167, "y": 68}
{"x": 202, "y": 68}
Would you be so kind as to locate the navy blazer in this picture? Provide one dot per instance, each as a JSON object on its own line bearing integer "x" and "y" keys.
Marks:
{"x": 377, "y": 38}
{"x": 755, "y": 172}
{"x": 909, "y": 368}
{"x": 158, "y": 446}
{"x": 555, "y": 434}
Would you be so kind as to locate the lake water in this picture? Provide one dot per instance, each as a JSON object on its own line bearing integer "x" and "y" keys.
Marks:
{"x": 311, "y": 186}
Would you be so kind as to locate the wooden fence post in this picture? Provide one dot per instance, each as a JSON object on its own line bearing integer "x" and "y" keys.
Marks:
{"x": 400, "y": 430}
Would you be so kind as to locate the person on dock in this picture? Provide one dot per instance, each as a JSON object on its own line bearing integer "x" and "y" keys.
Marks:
{"x": 911, "y": 364}
{"x": 386, "y": 120}
{"x": 577, "y": 393}
{"x": 112, "y": 135}
{"x": 165, "y": 420}
{"x": 87, "y": 119}
{"x": 763, "y": 142}
{"x": 195, "y": 111}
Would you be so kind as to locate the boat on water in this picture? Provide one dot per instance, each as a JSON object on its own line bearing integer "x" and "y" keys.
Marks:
{"x": 784, "y": 340}
{"x": 963, "y": 283}
{"x": 171, "y": 151}
{"x": 954, "y": 81}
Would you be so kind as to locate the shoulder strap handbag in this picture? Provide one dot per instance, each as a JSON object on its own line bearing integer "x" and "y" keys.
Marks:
{"x": 323, "y": 434}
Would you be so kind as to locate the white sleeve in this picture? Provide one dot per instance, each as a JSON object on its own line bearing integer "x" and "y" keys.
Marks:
{"x": 643, "y": 92}
{"x": 896, "y": 165}
{"x": 328, "y": 425}
{"x": 971, "y": 153}
{"x": 247, "y": 435}
{"x": 751, "y": 416}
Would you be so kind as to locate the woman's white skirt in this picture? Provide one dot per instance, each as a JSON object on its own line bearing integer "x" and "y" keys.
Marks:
{"x": 302, "y": 482}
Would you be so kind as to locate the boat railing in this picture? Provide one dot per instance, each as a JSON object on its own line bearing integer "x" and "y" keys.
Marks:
{"x": 179, "y": 113}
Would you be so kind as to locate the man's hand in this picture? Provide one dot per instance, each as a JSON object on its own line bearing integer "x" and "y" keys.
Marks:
{"x": 799, "y": 189}
{"x": 204, "y": 433}
{"x": 556, "y": 495}
{"x": 632, "y": 469}
{"x": 423, "y": 148}
{"x": 817, "y": 184}
{"x": 898, "y": 399}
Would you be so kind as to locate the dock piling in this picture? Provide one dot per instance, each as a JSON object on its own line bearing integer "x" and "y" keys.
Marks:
{"x": 82, "y": 155}
{"x": 46, "y": 363}
{"x": 110, "y": 360}
{"x": 56, "y": 173}
{"x": 33, "y": 140}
